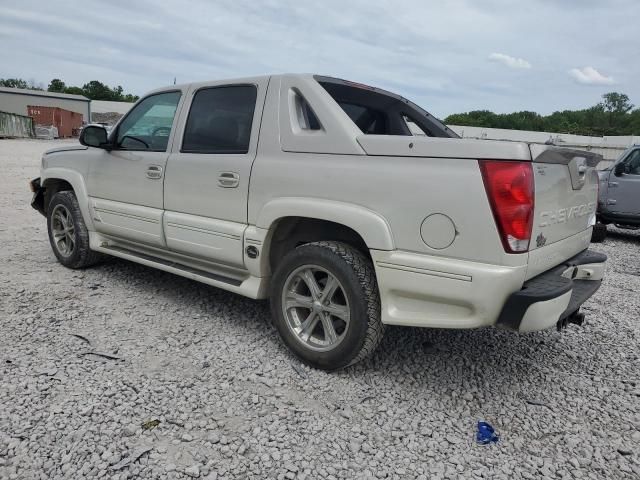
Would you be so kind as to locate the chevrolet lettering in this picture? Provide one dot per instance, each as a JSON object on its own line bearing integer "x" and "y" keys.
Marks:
{"x": 563, "y": 215}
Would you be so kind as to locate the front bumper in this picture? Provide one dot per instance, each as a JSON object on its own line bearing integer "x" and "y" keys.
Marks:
{"x": 555, "y": 295}
{"x": 37, "y": 201}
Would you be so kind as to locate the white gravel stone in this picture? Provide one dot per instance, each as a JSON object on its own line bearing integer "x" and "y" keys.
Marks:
{"x": 192, "y": 471}
{"x": 409, "y": 412}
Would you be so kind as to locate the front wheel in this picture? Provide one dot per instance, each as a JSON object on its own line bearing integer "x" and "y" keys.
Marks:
{"x": 326, "y": 306}
{"x": 68, "y": 233}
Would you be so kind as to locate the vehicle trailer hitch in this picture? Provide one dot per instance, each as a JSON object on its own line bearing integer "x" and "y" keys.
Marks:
{"x": 577, "y": 318}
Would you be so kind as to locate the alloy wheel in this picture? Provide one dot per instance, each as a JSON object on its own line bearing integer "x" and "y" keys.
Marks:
{"x": 315, "y": 307}
{"x": 63, "y": 230}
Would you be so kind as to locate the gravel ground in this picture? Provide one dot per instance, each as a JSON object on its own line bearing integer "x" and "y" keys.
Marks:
{"x": 194, "y": 382}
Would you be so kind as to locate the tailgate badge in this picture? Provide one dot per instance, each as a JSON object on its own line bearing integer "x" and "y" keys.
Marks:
{"x": 577, "y": 171}
{"x": 541, "y": 240}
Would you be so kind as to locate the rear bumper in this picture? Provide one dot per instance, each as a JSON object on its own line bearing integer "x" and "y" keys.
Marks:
{"x": 554, "y": 295}
{"x": 37, "y": 201}
{"x": 426, "y": 291}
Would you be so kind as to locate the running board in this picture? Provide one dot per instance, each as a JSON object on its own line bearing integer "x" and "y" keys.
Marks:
{"x": 169, "y": 266}
{"x": 249, "y": 286}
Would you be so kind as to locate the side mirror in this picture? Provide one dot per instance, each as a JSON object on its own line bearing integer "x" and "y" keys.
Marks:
{"x": 620, "y": 169}
{"x": 93, "y": 136}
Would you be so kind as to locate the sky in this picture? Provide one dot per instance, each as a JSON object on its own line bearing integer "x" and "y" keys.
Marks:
{"x": 448, "y": 56}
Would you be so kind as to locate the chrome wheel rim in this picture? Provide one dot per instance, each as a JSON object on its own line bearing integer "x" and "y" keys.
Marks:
{"x": 315, "y": 307}
{"x": 63, "y": 230}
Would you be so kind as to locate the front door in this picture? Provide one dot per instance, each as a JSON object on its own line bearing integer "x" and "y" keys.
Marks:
{"x": 207, "y": 178}
{"x": 624, "y": 190}
{"x": 125, "y": 185}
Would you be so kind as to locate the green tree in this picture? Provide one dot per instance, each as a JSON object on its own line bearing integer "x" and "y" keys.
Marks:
{"x": 616, "y": 102}
{"x": 13, "y": 83}
{"x": 96, "y": 90}
{"x": 617, "y": 105}
{"x": 633, "y": 126}
{"x": 614, "y": 115}
{"x": 74, "y": 90}
{"x": 57, "y": 85}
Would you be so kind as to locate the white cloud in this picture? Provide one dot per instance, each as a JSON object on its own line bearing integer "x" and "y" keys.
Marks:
{"x": 509, "y": 61}
{"x": 368, "y": 41}
{"x": 590, "y": 76}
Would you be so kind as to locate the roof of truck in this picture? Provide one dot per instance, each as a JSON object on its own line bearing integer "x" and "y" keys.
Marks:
{"x": 183, "y": 86}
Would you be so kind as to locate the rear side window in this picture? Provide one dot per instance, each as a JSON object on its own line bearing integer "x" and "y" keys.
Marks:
{"x": 220, "y": 120}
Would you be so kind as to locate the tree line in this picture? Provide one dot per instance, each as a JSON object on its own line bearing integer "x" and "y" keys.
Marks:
{"x": 94, "y": 89}
{"x": 614, "y": 115}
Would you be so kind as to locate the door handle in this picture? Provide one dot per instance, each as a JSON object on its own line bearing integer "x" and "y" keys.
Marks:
{"x": 228, "y": 180}
{"x": 613, "y": 184}
{"x": 154, "y": 172}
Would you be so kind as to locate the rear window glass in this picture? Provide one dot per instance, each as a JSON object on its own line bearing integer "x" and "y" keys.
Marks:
{"x": 369, "y": 120}
{"x": 378, "y": 112}
{"x": 413, "y": 126}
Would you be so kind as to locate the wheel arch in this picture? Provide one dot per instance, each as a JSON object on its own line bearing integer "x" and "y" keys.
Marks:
{"x": 372, "y": 227}
{"x": 289, "y": 222}
{"x": 55, "y": 180}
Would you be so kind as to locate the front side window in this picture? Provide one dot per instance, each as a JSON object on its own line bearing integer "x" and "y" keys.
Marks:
{"x": 633, "y": 163}
{"x": 148, "y": 125}
{"x": 220, "y": 120}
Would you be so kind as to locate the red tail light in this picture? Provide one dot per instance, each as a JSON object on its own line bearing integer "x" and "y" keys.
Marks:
{"x": 510, "y": 189}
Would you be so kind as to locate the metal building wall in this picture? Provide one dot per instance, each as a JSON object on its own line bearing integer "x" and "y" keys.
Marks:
{"x": 17, "y": 103}
{"x": 15, "y": 126}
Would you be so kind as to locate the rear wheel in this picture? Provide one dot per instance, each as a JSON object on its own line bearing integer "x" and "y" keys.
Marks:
{"x": 68, "y": 233}
{"x": 599, "y": 233}
{"x": 326, "y": 305}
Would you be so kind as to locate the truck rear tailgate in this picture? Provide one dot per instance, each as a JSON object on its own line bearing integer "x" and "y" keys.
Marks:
{"x": 566, "y": 192}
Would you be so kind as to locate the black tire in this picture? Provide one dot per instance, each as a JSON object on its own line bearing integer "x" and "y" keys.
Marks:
{"x": 357, "y": 279}
{"x": 599, "y": 233}
{"x": 79, "y": 255}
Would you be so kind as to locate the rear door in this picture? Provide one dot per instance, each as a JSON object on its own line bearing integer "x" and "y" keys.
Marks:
{"x": 624, "y": 189}
{"x": 125, "y": 185}
{"x": 207, "y": 180}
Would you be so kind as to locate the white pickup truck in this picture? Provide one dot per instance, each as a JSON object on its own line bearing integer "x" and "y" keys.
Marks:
{"x": 350, "y": 207}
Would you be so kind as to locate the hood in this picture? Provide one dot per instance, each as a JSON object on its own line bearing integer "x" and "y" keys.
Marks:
{"x": 68, "y": 148}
